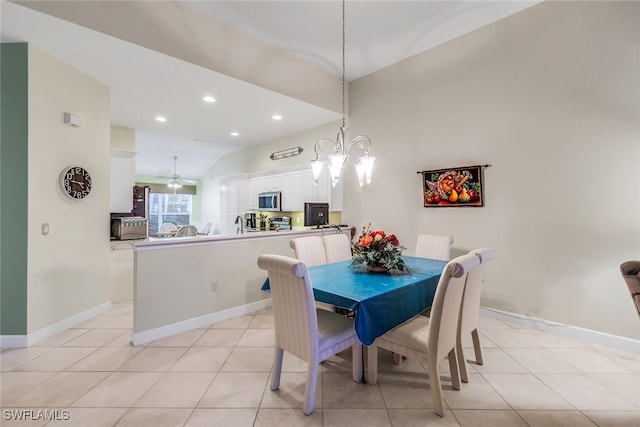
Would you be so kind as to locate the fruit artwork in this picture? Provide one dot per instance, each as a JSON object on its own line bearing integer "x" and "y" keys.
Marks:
{"x": 453, "y": 187}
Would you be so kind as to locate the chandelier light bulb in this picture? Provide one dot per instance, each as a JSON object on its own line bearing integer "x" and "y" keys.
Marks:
{"x": 336, "y": 163}
{"x": 316, "y": 168}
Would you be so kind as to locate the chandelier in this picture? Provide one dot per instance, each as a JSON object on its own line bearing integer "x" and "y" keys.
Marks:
{"x": 340, "y": 150}
{"x": 175, "y": 178}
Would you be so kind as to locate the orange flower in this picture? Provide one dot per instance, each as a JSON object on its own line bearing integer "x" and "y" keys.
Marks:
{"x": 366, "y": 240}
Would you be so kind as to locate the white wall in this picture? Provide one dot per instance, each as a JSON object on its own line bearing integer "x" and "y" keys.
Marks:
{"x": 548, "y": 97}
{"x": 68, "y": 269}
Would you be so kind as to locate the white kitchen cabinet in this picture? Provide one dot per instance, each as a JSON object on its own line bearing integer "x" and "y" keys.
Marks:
{"x": 336, "y": 197}
{"x": 297, "y": 187}
{"x": 229, "y": 193}
{"x": 291, "y": 187}
{"x": 263, "y": 184}
{"x": 254, "y": 190}
{"x": 228, "y": 204}
{"x": 268, "y": 183}
{"x": 122, "y": 181}
{"x": 320, "y": 192}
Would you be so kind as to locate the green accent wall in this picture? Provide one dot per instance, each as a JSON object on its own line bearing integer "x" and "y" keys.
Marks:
{"x": 14, "y": 137}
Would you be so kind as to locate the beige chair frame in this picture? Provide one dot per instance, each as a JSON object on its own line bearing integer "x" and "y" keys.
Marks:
{"x": 431, "y": 340}
{"x": 309, "y": 334}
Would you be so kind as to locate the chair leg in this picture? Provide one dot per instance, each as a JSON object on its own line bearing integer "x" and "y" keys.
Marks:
{"x": 453, "y": 367}
{"x": 462, "y": 361}
{"x": 372, "y": 364}
{"x": 436, "y": 386}
{"x": 310, "y": 388}
{"x": 356, "y": 362}
{"x": 398, "y": 358}
{"x": 277, "y": 368}
{"x": 475, "y": 335}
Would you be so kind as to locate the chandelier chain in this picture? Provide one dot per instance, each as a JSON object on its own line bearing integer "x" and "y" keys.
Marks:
{"x": 340, "y": 152}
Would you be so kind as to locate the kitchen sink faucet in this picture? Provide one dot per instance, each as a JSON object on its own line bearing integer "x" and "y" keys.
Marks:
{"x": 240, "y": 229}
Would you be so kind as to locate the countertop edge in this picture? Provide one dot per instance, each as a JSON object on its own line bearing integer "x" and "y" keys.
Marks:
{"x": 157, "y": 243}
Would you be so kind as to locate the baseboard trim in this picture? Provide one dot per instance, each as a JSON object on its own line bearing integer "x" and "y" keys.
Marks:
{"x": 138, "y": 338}
{"x": 13, "y": 341}
{"x": 587, "y": 336}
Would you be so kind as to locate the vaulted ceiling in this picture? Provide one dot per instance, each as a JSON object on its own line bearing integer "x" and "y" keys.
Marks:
{"x": 150, "y": 73}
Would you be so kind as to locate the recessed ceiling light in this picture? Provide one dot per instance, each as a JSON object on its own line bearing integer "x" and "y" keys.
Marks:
{"x": 235, "y": 134}
{"x": 276, "y": 117}
{"x": 161, "y": 119}
{"x": 209, "y": 98}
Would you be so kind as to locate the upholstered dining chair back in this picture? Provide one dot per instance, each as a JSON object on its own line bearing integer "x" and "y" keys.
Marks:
{"x": 294, "y": 311}
{"x": 337, "y": 247}
{"x": 445, "y": 311}
{"x": 431, "y": 340}
{"x": 309, "y": 250}
{"x": 434, "y": 246}
{"x": 167, "y": 227}
{"x": 311, "y": 335}
{"x": 470, "y": 311}
{"x": 631, "y": 273}
{"x": 187, "y": 231}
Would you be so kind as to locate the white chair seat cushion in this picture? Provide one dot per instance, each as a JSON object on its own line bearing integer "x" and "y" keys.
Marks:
{"x": 413, "y": 334}
{"x": 333, "y": 329}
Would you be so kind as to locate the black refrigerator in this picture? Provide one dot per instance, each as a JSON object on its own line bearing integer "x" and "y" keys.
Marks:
{"x": 140, "y": 201}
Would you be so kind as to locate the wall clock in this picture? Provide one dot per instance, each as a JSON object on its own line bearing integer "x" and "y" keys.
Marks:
{"x": 75, "y": 182}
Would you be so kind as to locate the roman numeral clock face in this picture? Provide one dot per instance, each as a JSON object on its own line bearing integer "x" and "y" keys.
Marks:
{"x": 75, "y": 182}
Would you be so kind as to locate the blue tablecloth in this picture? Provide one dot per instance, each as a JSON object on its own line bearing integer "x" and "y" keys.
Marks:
{"x": 380, "y": 301}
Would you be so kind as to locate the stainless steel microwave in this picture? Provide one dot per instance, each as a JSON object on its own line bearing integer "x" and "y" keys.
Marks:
{"x": 270, "y": 201}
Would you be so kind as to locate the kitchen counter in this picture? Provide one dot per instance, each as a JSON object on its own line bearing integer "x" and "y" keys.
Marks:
{"x": 247, "y": 235}
{"x": 182, "y": 283}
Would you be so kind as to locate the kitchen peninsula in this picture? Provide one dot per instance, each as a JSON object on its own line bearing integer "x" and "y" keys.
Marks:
{"x": 190, "y": 282}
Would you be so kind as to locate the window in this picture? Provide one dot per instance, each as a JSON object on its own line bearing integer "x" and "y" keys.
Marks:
{"x": 164, "y": 208}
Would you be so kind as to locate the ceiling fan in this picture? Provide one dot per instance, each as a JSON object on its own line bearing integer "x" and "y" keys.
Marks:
{"x": 176, "y": 181}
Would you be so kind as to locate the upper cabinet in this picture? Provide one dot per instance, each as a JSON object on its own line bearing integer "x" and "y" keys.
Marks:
{"x": 122, "y": 181}
{"x": 320, "y": 192}
{"x": 297, "y": 187}
{"x": 291, "y": 184}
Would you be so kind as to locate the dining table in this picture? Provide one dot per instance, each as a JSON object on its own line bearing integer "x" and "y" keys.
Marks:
{"x": 380, "y": 301}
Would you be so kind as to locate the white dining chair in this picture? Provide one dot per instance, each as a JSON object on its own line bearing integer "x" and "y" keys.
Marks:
{"x": 431, "y": 339}
{"x": 470, "y": 311}
{"x": 310, "y": 250}
{"x": 167, "y": 227}
{"x": 187, "y": 231}
{"x": 434, "y": 246}
{"x": 337, "y": 247}
{"x": 300, "y": 329}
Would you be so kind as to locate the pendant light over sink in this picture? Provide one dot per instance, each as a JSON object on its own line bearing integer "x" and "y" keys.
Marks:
{"x": 340, "y": 151}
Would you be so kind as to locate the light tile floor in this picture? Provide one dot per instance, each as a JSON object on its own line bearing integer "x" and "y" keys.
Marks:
{"x": 219, "y": 376}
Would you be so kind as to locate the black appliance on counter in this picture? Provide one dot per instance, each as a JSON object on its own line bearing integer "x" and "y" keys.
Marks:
{"x": 316, "y": 214}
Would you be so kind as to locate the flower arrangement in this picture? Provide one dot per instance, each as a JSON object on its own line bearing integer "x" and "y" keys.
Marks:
{"x": 376, "y": 249}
